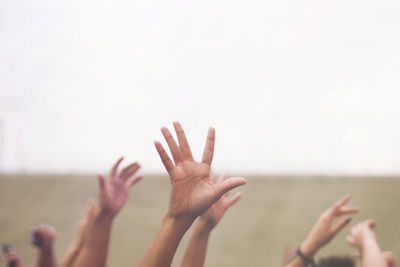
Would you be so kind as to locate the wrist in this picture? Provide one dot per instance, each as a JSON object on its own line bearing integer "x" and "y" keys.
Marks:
{"x": 309, "y": 248}
{"x": 307, "y": 260}
{"x": 203, "y": 226}
{"x": 367, "y": 242}
{"x": 47, "y": 246}
{"x": 177, "y": 222}
{"x": 103, "y": 216}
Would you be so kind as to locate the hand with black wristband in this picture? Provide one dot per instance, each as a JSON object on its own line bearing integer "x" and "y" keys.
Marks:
{"x": 323, "y": 232}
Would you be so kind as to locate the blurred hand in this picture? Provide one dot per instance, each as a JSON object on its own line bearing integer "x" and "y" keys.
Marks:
{"x": 325, "y": 228}
{"x": 361, "y": 233}
{"x": 12, "y": 258}
{"x": 76, "y": 246}
{"x": 90, "y": 215}
{"x": 46, "y": 235}
{"x": 193, "y": 190}
{"x": 215, "y": 213}
{"x": 114, "y": 191}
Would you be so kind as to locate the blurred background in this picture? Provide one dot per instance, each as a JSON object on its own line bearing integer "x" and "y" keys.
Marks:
{"x": 303, "y": 96}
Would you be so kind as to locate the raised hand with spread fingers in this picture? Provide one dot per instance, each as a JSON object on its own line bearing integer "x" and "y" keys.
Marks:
{"x": 114, "y": 192}
{"x": 324, "y": 230}
{"x": 193, "y": 191}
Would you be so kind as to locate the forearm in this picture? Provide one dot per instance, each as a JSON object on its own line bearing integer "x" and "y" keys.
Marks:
{"x": 46, "y": 257}
{"x": 163, "y": 248}
{"x": 197, "y": 248}
{"x": 95, "y": 246}
{"x": 372, "y": 254}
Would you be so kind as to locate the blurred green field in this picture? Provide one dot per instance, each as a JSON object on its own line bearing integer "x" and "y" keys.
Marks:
{"x": 273, "y": 212}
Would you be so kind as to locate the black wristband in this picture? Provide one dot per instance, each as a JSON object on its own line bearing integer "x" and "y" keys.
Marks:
{"x": 305, "y": 258}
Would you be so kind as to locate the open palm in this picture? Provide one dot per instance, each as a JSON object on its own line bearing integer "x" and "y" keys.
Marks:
{"x": 193, "y": 189}
{"x": 114, "y": 191}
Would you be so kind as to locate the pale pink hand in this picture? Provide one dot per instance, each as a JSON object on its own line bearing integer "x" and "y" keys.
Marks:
{"x": 325, "y": 228}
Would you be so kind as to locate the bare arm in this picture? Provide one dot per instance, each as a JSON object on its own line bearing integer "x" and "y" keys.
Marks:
{"x": 114, "y": 193}
{"x": 192, "y": 193}
{"x": 76, "y": 246}
{"x": 43, "y": 239}
{"x": 324, "y": 230}
{"x": 197, "y": 248}
{"x": 12, "y": 258}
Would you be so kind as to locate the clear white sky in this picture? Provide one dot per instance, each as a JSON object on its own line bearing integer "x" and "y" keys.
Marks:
{"x": 290, "y": 86}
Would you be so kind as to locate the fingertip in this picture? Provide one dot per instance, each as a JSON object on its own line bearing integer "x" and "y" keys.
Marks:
{"x": 354, "y": 207}
{"x": 139, "y": 178}
{"x": 243, "y": 181}
{"x": 238, "y": 181}
{"x": 138, "y": 165}
{"x": 165, "y": 131}
{"x": 118, "y": 162}
{"x": 371, "y": 223}
{"x": 157, "y": 144}
{"x": 211, "y": 132}
{"x": 101, "y": 180}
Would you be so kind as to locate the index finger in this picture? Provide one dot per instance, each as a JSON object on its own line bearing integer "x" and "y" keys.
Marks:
{"x": 338, "y": 204}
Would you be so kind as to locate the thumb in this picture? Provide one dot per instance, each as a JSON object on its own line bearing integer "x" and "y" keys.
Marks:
{"x": 229, "y": 184}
